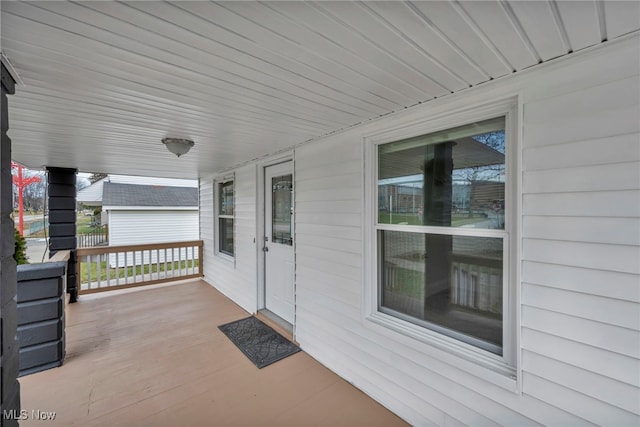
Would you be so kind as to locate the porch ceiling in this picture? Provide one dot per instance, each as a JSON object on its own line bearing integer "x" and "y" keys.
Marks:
{"x": 105, "y": 82}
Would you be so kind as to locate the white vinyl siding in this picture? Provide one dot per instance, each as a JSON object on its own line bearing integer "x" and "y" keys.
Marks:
{"x": 578, "y": 250}
{"x": 236, "y": 277}
{"x": 581, "y": 246}
{"x": 136, "y": 227}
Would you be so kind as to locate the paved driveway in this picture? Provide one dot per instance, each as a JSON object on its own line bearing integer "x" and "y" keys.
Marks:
{"x": 36, "y": 248}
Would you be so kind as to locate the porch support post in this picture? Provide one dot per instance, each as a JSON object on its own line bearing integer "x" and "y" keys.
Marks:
{"x": 62, "y": 220}
{"x": 9, "y": 357}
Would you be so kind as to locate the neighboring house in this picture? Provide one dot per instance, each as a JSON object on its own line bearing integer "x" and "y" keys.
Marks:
{"x": 154, "y": 209}
{"x": 91, "y": 196}
{"x": 138, "y": 214}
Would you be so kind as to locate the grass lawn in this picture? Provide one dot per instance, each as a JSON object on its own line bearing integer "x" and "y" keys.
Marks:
{"x": 457, "y": 220}
{"x": 411, "y": 219}
{"x": 139, "y": 270}
{"x": 83, "y": 224}
{"x": 409, "y": 283}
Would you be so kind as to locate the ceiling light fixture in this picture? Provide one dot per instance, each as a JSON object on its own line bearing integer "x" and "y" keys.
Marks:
{"x": 178, "y": 146}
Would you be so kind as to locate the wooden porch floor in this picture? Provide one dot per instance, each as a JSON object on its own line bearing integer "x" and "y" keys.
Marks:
{"x": 156, "y": 357}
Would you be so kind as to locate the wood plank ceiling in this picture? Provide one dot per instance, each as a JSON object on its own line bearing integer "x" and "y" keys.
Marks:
{"x": 105, "y": 81}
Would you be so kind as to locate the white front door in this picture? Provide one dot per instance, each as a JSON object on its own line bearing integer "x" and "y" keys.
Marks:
{"x": 278, "y": 240}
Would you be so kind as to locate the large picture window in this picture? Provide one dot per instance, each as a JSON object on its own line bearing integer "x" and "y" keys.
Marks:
{"x": 226, "y": 211}
{"x": 442, "y": 232}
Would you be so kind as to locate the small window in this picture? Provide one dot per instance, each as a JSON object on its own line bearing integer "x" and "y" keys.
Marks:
{"x": 226, "y": 212}
{"x": 442, "y": 233}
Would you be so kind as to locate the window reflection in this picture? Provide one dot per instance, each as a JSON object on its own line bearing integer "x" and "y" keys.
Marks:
{"x": 452, "y": 282}
{"x": 453, "y": 178}
{"x": 226, "y": 198}
{"x": 226, "y": 236}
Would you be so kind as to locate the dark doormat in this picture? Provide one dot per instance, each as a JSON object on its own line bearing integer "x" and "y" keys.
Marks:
{"x": 259, "y": 342}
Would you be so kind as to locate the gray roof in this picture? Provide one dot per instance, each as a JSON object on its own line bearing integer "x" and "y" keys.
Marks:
{"x": 148, "y": 195}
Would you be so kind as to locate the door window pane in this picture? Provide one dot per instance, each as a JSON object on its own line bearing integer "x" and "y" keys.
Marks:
{"x": 452, "y": 284}
{"x": 452, "y": 178}
{"x": 282, "y": 209}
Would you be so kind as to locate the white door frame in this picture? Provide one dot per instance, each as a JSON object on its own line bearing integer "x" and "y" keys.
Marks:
{"x": 260, "y": 229}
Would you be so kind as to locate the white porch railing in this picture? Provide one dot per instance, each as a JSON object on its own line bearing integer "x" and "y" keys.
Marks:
{"x": 107, "y": 268}
{"x": 98, "y": 236}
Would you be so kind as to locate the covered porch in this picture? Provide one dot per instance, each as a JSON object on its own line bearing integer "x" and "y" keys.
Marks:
{"x": 320, "y": 88}
{"x": 154, "y": 356}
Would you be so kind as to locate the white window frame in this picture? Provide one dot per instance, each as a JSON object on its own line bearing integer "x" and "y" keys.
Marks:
{"x": 217, "y": 185}
{"x": 502, "y": 370}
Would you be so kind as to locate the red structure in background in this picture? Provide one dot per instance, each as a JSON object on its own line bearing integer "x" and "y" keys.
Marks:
{"x": 21, "y": 182}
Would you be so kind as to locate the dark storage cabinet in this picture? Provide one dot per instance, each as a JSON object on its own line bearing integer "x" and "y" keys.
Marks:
{"x": 41, "y": 303}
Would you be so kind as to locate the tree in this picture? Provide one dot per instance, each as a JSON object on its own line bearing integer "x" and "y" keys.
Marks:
{"x": 485, "y": 181}
{"x": 82, "y": 183}
{"x": 20, "y": 252}
{"x": 20, "y": 181}
{"x": 33, "y": 194}
{"x": 95, "y": 177}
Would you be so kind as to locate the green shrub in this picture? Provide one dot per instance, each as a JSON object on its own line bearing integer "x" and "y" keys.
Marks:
{"x": 20, "y": 254}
